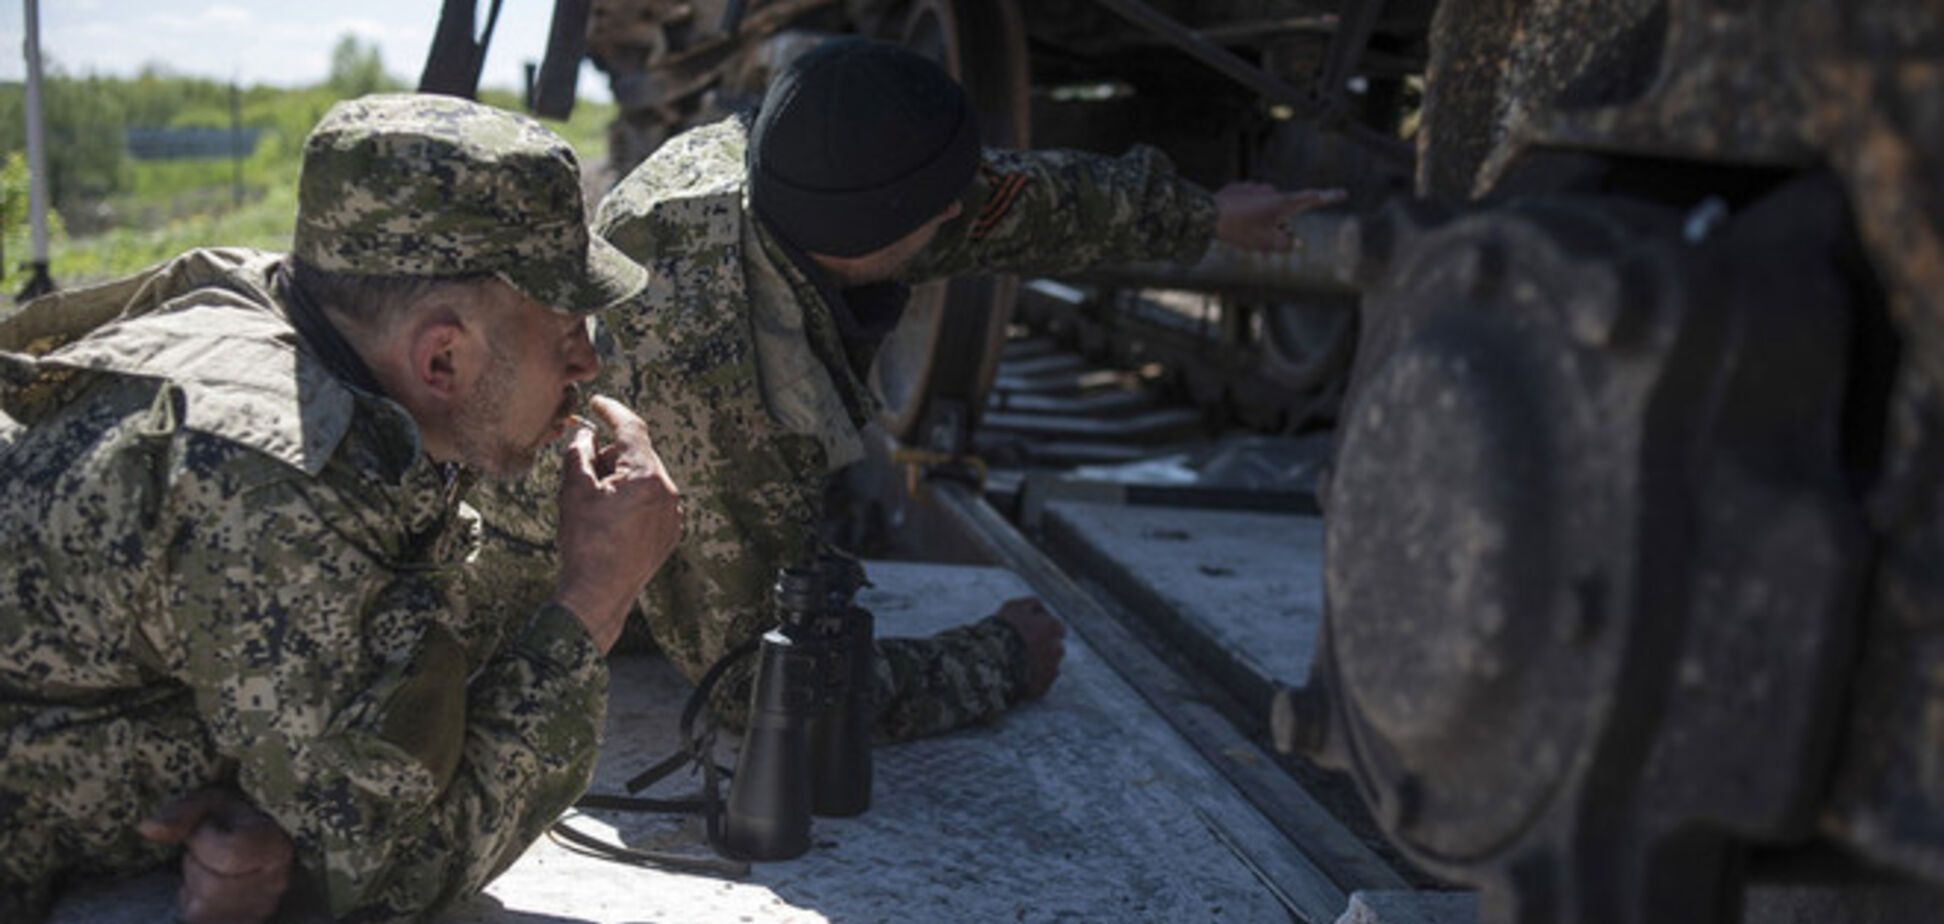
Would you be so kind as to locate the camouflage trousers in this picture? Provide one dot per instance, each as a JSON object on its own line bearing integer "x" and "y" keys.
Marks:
{"x": 78, "y": 778}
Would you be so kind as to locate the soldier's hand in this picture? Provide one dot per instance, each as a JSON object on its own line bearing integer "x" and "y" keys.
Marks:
{"x": 620, "y": 517}
{"x": 1251, "y": 215}
{"x": 1045, "y": 640}
{"x": 235, "y": 862}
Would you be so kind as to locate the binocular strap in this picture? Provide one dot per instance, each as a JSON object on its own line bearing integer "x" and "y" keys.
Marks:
{"x": 696, "y": 749}
{"x": 581, "y": 842}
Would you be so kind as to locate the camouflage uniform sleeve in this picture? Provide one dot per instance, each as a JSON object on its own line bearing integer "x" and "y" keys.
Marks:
{"x": 920, "y": 687}
{"x": 1058, "y": 211}
{"x": 958, "y": 677}
{"x": 324, "y": 656}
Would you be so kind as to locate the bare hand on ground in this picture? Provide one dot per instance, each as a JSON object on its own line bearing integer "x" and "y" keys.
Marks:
{"x": 235, "y": 860}
{"x": 1251, "y": 215}
{"x": 620, "y": 517}
{"x": 1045, "y": 640}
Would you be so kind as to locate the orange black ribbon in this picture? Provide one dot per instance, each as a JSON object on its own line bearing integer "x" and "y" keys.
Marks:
{"x": 1005, "y": 192}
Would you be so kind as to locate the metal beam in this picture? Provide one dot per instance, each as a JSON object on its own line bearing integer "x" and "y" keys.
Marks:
{"x": 1330, "y": 862}
{"x": 1325, "y": 107}
{"x": 40, "y": 281}
{"x": 1221, "y": 59}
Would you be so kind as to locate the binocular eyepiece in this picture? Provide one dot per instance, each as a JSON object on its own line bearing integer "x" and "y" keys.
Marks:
{"x": 807, "y": 747}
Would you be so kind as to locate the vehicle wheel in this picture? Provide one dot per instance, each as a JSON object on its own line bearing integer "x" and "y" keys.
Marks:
{"x": 1307, "y": 343}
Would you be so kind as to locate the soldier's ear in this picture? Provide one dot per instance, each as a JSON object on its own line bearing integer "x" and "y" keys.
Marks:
{"x": 442, "y": 355}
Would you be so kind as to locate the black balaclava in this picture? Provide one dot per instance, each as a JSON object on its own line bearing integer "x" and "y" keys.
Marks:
{"x": 857, "y": 144}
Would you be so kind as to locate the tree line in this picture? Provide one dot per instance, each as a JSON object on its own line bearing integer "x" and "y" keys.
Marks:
{"x": 84, "y": 117}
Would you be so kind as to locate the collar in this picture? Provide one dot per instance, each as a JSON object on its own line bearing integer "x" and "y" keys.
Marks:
{"x": 320, "y": 336}
{"x": 864, "y": 315}
{"x": 245, "y": 376}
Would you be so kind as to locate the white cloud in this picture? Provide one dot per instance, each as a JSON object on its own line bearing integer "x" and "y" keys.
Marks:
{"x": 270, "y": 41}
{"x": 172, "y": 22}
{"x": 221, "y": 15}
{"x": 368, "y": 28}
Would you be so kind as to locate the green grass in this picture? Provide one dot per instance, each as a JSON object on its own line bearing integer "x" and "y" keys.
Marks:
{"x": 265, "y": 224}
{"x": 162, "y": 208}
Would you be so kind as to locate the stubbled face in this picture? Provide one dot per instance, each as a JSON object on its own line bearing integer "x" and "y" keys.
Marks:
{"x": 530, "y": 383}
{"x": 899, "y": 253}
{"x": 889, "y": 261}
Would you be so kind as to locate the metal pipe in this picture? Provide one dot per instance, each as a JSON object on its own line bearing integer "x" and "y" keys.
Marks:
{"x": 1236, "y": 34}
{"x": 236, "y": 144}
{"x": 36, "y": 137}
{"x": 39, "y": 280}
{"x": 732, "y": 17}
{"x": 1326, "y": 107}
{"x": 1347, "y": 48}
{"x": 1221, "y": 59}
{"x": 1328, "y": 250}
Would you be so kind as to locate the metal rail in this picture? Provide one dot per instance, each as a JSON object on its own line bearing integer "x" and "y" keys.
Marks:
{"x": 1331, "y": 861}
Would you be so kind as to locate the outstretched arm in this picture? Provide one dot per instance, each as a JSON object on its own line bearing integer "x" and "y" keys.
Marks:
{"x": 1063, "y": 211}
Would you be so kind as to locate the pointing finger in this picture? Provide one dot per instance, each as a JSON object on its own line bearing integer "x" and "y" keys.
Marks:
{"x": 1309, "y": 199}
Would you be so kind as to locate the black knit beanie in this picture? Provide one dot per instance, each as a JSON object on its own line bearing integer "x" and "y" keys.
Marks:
{"x": 858, "y": 143}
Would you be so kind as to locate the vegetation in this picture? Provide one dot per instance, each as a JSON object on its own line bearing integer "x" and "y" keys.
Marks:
{"x": 114, "y": 214}
{"x": 356, "y": 69}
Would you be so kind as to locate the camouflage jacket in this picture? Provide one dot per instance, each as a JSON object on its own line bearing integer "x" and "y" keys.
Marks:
{"x": 735, "y": 360}
{"x": 220, "y": 565}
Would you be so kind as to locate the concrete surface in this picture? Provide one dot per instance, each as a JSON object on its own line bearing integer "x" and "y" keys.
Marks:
{"x": 1250, "y": 583}
{"x": 1083, "y": 807}
{"x": 1411, "y": 908}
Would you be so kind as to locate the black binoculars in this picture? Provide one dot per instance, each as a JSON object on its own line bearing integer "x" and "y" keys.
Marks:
{"x": 807, "y": 747}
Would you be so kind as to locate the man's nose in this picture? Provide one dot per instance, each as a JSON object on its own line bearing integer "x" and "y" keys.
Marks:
{"x": 583, "y": 361}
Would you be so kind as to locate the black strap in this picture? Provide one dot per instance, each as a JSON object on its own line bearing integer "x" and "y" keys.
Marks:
{"x": 588, "y": 845}
{"x": 661, "y": 769}
{"x": 700, "y": 698}
{"x": 599, "y": 802}
{"x": 320, "y": 336}
{"x": 696, "y": 749}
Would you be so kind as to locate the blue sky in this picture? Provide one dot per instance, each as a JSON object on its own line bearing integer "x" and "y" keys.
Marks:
{"x": 284, "y": 42}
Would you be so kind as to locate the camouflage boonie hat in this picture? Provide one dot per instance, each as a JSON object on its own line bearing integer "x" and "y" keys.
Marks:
{"x": 422, "y": 185}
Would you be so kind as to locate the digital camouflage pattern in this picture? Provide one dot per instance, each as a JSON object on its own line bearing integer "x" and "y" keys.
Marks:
{"x": 420, "y": 185}
{"x": 734, "y": 360}
{"x": 219, "y": 565}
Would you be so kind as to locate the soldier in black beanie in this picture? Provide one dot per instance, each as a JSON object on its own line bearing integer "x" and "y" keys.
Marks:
{"x": 857, "y": 145}
{"x": 782, "y": 248}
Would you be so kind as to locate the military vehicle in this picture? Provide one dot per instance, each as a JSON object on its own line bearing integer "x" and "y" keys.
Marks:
{"x": 1632, "y": 339}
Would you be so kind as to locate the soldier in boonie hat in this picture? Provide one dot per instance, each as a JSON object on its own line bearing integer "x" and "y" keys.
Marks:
{"x": 283, "y": 442}
{"x": 415, "y": 185}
